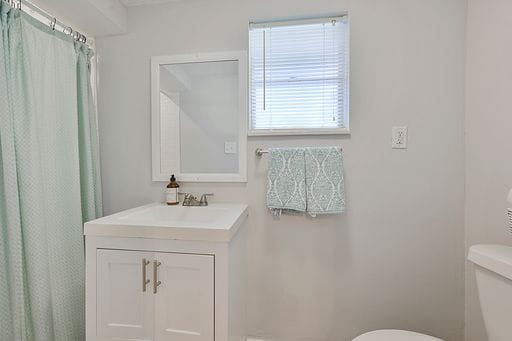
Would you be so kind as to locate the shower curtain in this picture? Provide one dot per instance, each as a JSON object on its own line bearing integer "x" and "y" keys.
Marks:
{"x": 49, "y": 179}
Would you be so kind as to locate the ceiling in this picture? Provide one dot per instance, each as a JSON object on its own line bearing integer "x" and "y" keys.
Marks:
{"x": 95, "y": 18}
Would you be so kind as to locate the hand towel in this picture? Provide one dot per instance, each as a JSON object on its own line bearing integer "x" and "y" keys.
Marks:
{"x": 286, "y": 186}
{"x": 325, "y": 187}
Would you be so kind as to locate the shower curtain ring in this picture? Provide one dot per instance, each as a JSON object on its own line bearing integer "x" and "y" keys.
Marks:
{"x": 76, "y": 35}
{"x": 68, "y": 30}
{"x": 53, "y": 23}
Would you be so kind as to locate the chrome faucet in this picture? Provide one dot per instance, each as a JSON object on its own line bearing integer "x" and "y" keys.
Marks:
{"x": 190, "y": 200}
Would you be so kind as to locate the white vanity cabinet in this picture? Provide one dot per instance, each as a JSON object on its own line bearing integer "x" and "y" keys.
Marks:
{"x": 148, "y": 281}
{"x": 129, "y": 305}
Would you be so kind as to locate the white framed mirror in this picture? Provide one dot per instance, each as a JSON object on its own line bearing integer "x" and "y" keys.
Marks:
{"x": 199, "y": 117}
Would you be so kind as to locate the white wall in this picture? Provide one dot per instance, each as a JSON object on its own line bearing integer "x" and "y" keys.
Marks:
{"x": 395, "y": 259}
{"x": 488, "y": 136}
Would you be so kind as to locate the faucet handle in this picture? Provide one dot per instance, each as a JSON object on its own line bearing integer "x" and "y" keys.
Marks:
{"x": 204, "y": 198}
{"x": 189, "y": 200}
{"x": 189, "y": 196}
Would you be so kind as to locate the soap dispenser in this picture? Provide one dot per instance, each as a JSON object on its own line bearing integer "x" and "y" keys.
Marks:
{"x": 171, "y": 192}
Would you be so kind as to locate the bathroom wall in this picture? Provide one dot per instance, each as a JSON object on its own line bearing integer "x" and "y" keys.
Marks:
{"x": 396, "y": 258}
{"x": 488, "y": 137}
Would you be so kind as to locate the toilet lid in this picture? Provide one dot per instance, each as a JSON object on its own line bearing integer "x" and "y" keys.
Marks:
{"x": 394, "y": 335}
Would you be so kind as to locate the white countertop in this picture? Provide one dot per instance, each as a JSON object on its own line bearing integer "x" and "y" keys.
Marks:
{"x": 215, "y": 222}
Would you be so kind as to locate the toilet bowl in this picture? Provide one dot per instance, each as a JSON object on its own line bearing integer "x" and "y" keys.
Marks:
{"x": 394, "y": 335}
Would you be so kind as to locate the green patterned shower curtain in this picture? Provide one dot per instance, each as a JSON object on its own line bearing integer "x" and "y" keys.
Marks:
{"x": 49, "y": 179}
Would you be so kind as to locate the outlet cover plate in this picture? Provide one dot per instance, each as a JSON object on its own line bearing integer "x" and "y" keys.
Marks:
{"x": 230, "y": 147}
{"x": 399, "y": 137}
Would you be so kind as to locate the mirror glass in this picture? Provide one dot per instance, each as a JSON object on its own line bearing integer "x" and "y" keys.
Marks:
{"x": 200, "y": 121}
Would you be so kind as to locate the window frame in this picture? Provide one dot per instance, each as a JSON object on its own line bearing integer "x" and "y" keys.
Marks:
{"x": 345, "y": 130}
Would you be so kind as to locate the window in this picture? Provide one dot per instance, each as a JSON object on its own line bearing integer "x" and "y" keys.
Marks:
{"x": 299, "y": 77}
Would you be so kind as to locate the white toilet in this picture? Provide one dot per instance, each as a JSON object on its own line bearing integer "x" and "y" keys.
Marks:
{"x": 394, "y": 335}
{"x": 493, "y": 268}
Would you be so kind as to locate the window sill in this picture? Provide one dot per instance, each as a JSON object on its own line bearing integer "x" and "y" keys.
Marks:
{"x": 298, "y": 132}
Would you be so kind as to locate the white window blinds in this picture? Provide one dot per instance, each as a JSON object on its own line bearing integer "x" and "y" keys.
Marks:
{"x": 299, "y": 76}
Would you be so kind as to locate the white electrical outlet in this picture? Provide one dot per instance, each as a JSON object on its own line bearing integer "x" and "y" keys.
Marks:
{"x": 230, "y": 147}
{"x": 399, "y": 138}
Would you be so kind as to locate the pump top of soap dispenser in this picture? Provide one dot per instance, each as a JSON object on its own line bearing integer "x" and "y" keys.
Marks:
{"x": 173, "y": 183}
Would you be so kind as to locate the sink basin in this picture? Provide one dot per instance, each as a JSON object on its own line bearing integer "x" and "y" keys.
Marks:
{"x": 179, "y": 216}
{"x": 216, "y": 222}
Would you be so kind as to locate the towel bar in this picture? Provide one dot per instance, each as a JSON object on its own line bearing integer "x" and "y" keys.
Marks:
{"x": 259, "y": 151}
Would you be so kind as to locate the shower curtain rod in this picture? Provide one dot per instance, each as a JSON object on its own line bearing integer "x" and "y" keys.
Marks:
{"x": 53, "y": 23}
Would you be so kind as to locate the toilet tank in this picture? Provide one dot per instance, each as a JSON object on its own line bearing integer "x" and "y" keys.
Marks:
{"x": 493, "y": 268}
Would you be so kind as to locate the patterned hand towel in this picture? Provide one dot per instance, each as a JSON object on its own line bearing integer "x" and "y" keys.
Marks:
{"x": 286, "y": 186}
{"x": 324, "y": 180}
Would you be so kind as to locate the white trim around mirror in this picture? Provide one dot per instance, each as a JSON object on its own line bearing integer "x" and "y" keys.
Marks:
{"x": 156, "y": 61}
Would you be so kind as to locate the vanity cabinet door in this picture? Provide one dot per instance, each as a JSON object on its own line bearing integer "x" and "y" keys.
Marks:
{"x": 124, "y": 310}
{"x": 184, "y": 302}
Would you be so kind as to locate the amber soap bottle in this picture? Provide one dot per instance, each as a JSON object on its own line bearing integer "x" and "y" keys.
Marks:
{"x": 171, "y": 192}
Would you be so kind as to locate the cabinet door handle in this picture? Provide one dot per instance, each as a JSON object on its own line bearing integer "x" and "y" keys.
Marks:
{"x": 145, "y": 281}
{"x": 156, "y": 282}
